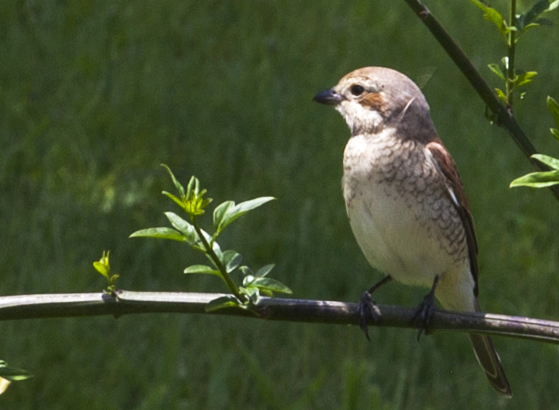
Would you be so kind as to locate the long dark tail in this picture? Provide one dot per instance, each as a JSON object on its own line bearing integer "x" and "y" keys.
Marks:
{"x": 489, "y": 360}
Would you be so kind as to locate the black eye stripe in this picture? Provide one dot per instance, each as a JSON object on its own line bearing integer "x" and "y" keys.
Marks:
{"x": 356, "y": 89}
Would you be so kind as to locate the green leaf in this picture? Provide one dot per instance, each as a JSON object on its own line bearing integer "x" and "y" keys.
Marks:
{"x": 183, "y": 226}
{"x": 223, "y": 302}
{"x": 192, "y": 187}
{"x": 101, "y": 268}
{"x": 253, "y": 293}
{"x": 234, "y": 263}
{"x": 267, "y": 292}
{"x": 524, "y": 78}
{"x": 553, "y": 5}
{"x": 177, "y": 184}
{"x": 555, "y": 133}
{"x": 497, "y": 70}
{"x": 248, "y": 279}
{"x": 231, "y": 260}
{"x": 547, "y": 160}
{"x": 246, "y": 206}
{"x": 494, "y": 16}
{"x": 202, "y": 269}
{"x": 537, "y": 180}
{"x": 162, "y": 233}
{"x": 501, "y": 94}
{"x": 264, "y": 270}
{"x": 13, "y": 374}
{"x": 249, "y": 291}
{"x": 270, "y": 285}
{"x": 531, "y": 15}
{"x": 174, "y": 198}
{"x": 528, "y": 27}
{"x": 103, "y": 265}
{"x": 236, "y": 211}
{"x": 554, "y": 109}
{"x": 220, "y": 212}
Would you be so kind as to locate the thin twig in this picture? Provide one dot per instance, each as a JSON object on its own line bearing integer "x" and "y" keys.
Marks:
{"x": 511, "y": 46}
{"x": 505, "y": 117}
{"x": 292, "y": 310}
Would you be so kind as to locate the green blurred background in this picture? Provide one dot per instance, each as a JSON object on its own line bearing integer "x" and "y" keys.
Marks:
{"x": 95, "y": 95}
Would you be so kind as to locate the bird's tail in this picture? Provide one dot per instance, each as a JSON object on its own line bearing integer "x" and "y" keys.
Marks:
{"x": 483, "y": 346}
{"x": 489, "y": 360}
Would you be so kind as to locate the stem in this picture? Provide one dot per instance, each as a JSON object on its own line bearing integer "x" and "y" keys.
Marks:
{"x": 224, "y": 275}
{"x": 511, "y": 51}
{"x": 125, "y": 302}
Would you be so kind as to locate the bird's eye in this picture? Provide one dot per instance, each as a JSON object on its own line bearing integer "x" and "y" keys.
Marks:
{"x": 356, "y": 89}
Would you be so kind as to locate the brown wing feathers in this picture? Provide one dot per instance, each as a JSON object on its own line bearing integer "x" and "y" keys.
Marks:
{"x": 450, "y": 171}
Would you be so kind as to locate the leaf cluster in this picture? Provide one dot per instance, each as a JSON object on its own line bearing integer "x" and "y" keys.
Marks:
{"x": 523, "y": 22}
{"x": 222, "y": 263}
{"x": 510, "y": 32}
{"x": 103, "y": 266}
{"x": 519, "y": 79}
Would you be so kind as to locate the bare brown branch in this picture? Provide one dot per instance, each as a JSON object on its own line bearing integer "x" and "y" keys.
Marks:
{"x": 292, "y": 310}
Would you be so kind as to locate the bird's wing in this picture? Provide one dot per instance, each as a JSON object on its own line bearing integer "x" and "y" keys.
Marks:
{"x": 456, "y": 191}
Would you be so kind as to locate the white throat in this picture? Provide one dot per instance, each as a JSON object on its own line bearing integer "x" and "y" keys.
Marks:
{"x": 359, "y": 118}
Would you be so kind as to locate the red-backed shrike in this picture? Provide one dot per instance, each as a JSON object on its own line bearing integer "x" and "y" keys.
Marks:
{"x": 405, "y": 200}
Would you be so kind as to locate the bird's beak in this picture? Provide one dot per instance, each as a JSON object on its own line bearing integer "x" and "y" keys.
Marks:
{"x": 328, "y": 97}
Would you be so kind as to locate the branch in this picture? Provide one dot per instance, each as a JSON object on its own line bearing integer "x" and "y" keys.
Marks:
{"x": 292, "y": 310}
{"x": 505, "y": 116}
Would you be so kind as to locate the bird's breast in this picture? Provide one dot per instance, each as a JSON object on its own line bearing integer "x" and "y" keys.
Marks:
{"x": 399, "y": 208}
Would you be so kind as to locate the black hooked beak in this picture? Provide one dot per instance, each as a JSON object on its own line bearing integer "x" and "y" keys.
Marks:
{"x": 328, "y": 97}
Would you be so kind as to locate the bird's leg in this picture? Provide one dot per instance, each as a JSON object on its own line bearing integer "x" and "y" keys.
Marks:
{"x": 426, "y": 309}
{"x": 367, "y": 308}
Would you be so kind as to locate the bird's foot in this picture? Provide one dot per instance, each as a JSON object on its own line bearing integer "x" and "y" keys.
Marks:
{"x": 426, "y": 310}
{"x": 367, "y": 310}
{"x": 424, "y": 314}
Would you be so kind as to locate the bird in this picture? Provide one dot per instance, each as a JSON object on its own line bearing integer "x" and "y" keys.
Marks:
{"x": 405, "y": 201}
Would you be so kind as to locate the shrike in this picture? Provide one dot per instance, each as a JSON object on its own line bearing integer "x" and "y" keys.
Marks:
{"x": 405, "y": 200}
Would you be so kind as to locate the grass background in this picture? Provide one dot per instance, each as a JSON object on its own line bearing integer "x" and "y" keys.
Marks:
{"x": 95, "y": 95}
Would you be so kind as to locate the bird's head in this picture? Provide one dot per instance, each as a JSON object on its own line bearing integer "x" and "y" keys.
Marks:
{"x": 373, "y": 98}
